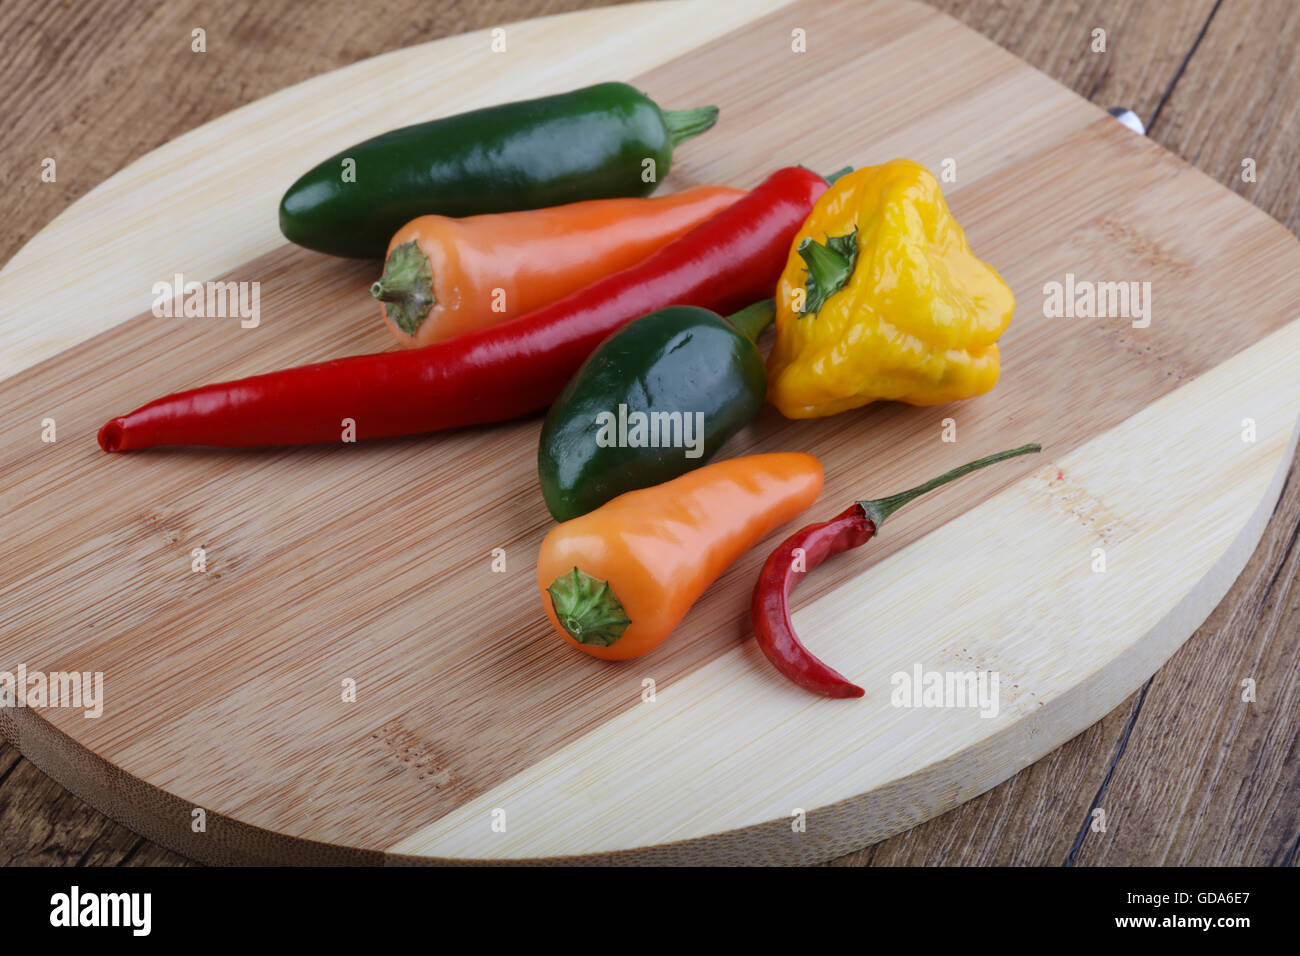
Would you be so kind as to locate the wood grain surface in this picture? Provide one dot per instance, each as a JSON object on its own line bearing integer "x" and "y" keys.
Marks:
{"x": 1230, "y": 799}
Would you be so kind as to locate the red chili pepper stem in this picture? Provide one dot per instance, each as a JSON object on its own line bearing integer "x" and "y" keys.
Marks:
{"x": 805, "y": 550}
{"x": 881, "y": 508}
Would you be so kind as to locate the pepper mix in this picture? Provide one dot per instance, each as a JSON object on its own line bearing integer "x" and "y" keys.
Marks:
{"x": 515, "y": 261}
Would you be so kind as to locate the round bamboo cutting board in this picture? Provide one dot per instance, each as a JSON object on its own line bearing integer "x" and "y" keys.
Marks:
{"x": 359, "y": 671}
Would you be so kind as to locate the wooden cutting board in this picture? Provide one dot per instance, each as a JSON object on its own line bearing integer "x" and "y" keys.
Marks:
{"x": 373, "y": 562}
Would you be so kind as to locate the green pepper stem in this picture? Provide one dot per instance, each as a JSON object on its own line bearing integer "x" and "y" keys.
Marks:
{"x": 881, "y": 508}
{"x": 406, "y": 287}
{"x": 753, "y": 319}
{"x": 683, "y": 124}
{"x": 587, "y": 608}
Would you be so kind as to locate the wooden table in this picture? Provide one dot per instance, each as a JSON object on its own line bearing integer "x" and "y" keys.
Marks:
{"x": 1183, "y": 773}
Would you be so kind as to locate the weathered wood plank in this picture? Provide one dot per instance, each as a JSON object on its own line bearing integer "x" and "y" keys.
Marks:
{"x": 1237, "y": 101}
{"x": 1145, "y": 43}
{"x": 41, "y": 824}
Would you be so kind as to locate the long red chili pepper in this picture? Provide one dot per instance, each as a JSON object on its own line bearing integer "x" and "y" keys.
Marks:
{"x": 770, "y": 609}
{"x": 493, "y": 374}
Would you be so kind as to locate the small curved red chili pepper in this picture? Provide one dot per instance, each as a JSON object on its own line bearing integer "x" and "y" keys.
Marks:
{"x": 497, "y": 373}
{"x": 770, "y": 608}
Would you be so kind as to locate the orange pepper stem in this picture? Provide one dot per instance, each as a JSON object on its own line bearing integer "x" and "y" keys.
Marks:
{"x": 881, "y": 508}
{"x": 406, "y": 287}
{"x": 588, "y": 609}
{"x": 829, "y": 267}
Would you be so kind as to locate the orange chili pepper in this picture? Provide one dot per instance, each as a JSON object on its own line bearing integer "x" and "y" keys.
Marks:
{"x": 444, "y": 277}
{"x": 617, "y": 580}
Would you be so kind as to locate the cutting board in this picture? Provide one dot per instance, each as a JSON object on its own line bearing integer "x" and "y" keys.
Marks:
{"x": 475, "y": 735}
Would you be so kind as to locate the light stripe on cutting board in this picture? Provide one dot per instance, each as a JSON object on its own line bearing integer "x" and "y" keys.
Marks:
{"x": 619, "y": 786}
{"x": 211, "y": 198}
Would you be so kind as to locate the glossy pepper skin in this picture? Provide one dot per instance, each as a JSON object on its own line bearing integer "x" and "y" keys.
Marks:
{"x": 615, "y": 582}
{"x": 702, "y": 374}
{"x": 445, "y": 277}
{"x": 590, "y": 143}
{"x": 882, "y": 298}
{"x": 726, "y": 262}
{"x": 808, "y": 547}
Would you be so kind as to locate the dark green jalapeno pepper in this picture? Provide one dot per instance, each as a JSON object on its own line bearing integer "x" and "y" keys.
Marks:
{"x": 656, "y": 399}
{"x": 594, "y": 143}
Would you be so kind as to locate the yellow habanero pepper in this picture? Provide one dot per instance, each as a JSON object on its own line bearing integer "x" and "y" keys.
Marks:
{"x": 882, "y": 299}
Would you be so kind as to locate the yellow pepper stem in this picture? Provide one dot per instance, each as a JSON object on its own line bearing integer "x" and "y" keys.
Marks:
{"x": 829, "y": 267}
